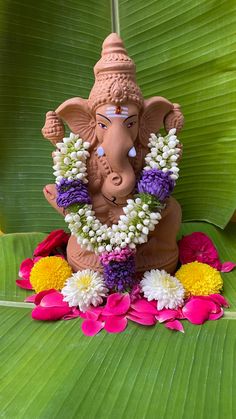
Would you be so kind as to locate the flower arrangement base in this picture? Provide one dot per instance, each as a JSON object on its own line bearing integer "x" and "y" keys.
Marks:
{"x": 155, "y": 254}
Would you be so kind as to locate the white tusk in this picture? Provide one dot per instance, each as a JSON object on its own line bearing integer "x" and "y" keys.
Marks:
{"x": 132, "y": 152}
{"x": 100, "y": 151}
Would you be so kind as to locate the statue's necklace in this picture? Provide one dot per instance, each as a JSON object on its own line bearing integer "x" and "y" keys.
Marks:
{"x": 141, "y": 214}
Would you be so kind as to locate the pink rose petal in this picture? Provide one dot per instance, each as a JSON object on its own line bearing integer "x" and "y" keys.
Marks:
{"x": 53, "y": 299}
{"x": 41, "y": 294}
{"x": 24, "y": 283}
{"x": 216, "y": 316}
{"x": 31, "y": 298}
{"x": 93, "y": 313}
{"x": 49, "y": 313}
{"x": 219, "y": 299}
{"x": 117, "y": 304}
{"x": 227, "y": 266}
{"x": 25, "y": 268}
{"x": 197, "y": 310}
{"x": 91, "y": 327}
{"x": 168, "y": 314}
{"x": 73, "y": 314}
{"x": 141, "y": 318}
{"x": 174, "y": 325}
{"x": 144, "y": 306}
{"x": 115, "y": 324}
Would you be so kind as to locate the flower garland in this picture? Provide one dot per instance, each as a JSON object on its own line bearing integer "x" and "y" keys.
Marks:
{"x": 193, "y": 294}
{"x": 116, "y": 245}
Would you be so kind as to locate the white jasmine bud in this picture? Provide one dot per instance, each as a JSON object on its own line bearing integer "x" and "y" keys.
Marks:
{"x": 73, "y": 155}
{"x": 85, "y": 229}
{"x": 145, "y": 230}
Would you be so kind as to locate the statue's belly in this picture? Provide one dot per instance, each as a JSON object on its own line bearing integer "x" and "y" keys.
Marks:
{"x": 160, "y": 252}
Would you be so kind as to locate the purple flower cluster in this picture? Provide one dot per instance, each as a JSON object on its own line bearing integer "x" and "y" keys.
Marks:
{"x": 156, "y": 182}
{"x": 120, "y": 275}
{"x": 72, "y": 192}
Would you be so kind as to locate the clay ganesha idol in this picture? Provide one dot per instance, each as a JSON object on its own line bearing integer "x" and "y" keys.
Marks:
{"x": 117, "y": 122}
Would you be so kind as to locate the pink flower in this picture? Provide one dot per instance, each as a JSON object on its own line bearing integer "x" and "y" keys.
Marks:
{"x": 171, "y": 318}
{"x": 111, "y": 317}
{"x": 50, "y": 307}
{"x": 199, "y": 247}
{"x": 55, "y": 242}
{"x": 114, "y": 316}
{"x": 116, "y": 255}
{"x": 197, "y": 310}
{"x": 24, "y": 273}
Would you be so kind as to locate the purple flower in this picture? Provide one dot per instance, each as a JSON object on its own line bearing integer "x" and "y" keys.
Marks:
{"x": 120, "y": 275}
{"x": 156, "y": 182}
{"x": 72, "y": 192}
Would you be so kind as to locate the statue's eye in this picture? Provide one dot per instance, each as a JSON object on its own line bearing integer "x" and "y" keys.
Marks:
{"x": 131, "y": 124}
{"x": 101, "y": 125}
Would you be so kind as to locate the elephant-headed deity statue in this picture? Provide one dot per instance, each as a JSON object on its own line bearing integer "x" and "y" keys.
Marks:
{"x": 117, "y": 122}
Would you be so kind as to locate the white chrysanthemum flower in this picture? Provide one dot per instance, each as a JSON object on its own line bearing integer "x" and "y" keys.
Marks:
{"x": 161, "y": 286}
{"x": 83, "y": 289}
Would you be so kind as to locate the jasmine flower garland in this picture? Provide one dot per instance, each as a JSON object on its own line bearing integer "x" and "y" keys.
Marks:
{"x": 141, "y": 214}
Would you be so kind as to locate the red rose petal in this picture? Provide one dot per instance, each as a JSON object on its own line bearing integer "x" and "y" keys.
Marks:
{"x": 197, "y": 247}
{"x": 56, "y": 239}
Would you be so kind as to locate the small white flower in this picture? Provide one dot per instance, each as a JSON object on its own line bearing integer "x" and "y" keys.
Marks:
{"x": 161, "y": 286}
{"x": 83, "y": 289}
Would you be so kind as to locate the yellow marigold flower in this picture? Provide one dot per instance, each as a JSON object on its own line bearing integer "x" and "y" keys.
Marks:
{"x": 199, "y": 279}
{"x": 50, "y": 272}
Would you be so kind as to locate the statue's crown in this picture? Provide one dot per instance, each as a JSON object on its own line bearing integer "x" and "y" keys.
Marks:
{"x": 114, "y": 76}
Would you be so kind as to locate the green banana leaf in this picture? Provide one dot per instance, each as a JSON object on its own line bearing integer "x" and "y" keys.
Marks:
{"x": 183, "y": 50}
{"x": 51, "y": 370}
{"x": 186, "y": 52}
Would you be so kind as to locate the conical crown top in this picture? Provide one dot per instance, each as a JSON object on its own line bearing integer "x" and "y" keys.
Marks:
{"x": 114, "y": 58}
{"x": 114, "y": 76}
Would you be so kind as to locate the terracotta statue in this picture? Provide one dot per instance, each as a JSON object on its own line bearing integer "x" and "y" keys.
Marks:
{"x": 117, "y": 122}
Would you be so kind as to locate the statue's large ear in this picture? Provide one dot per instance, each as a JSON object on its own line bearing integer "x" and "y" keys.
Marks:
{"x": 156, "y": 111}
{"x": 77, "y": 115}
{"x": 152, "y": 118}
